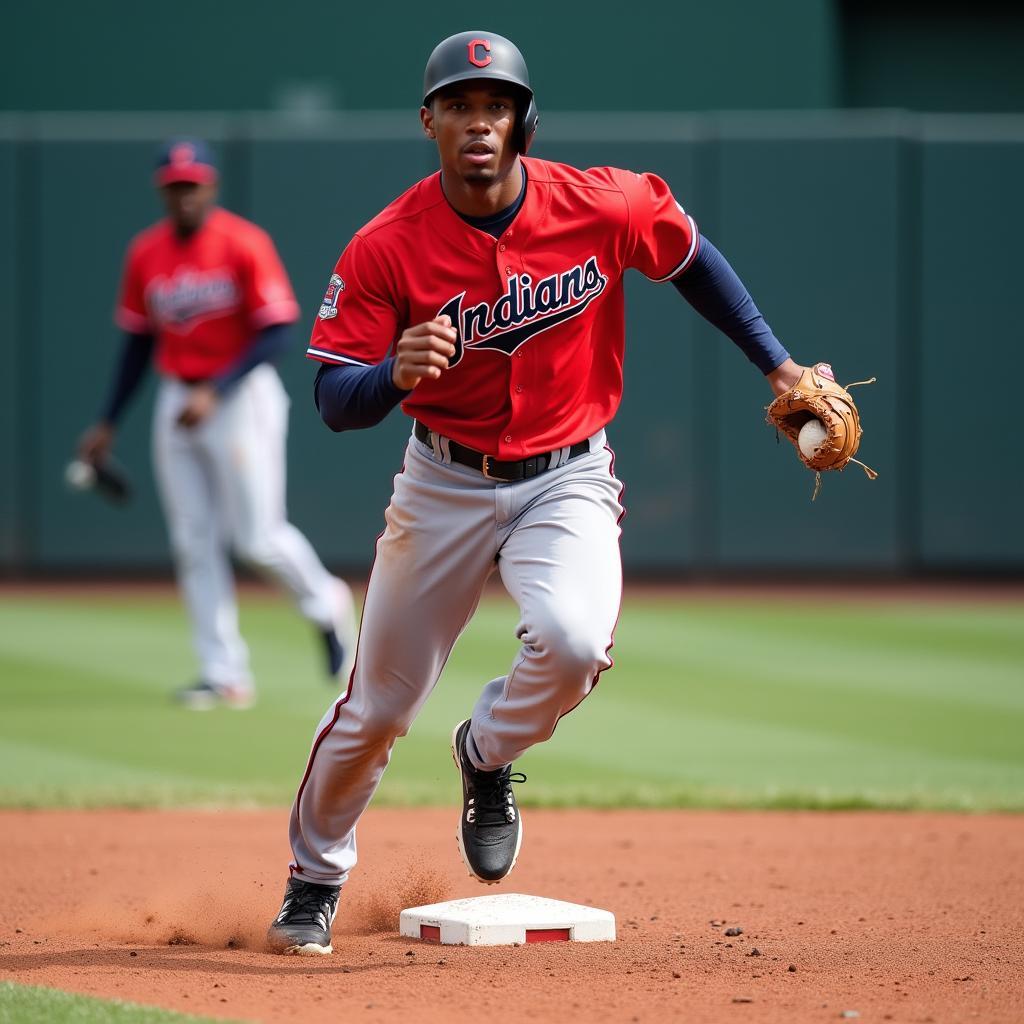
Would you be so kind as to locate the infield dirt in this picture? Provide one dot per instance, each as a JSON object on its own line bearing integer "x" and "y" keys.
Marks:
{"x": 881, "y": 916}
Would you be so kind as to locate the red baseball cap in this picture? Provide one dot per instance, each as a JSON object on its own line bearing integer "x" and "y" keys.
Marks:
{"x": 185, "y": 160}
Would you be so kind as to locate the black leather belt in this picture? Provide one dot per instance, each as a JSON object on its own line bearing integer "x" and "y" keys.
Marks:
{"x": 506, "y": 472}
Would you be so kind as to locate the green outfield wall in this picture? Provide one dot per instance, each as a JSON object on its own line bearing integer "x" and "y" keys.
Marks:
{"x": 310, "y": 55}
{"x": 313, "y": 55}
{"x": 884, "y": 242}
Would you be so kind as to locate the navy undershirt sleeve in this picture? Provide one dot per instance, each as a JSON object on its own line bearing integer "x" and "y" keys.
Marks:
{"x": 354, "y": 397}
{"x": 267, "y": 347}
{"x": 136, "y": 352}
{"x": 711, "y": 286}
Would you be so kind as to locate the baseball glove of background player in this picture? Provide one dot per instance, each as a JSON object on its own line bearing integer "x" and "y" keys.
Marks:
{"x": 816, "y": 395}
{"x": 107, "y": 477}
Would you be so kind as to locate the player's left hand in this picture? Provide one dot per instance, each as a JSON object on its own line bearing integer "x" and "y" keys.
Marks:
{"x": 202, "y": 401}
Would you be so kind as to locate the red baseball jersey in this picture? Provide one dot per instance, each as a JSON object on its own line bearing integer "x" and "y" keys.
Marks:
{"x": 539, "y": 311}
{"x": 203, "y": 297}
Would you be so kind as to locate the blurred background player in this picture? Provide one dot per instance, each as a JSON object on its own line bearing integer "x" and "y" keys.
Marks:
{"x": 205, "y": 292}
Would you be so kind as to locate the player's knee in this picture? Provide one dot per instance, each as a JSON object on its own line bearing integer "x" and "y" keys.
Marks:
{"x": 572, "y": 647}
{"x": 381, "y": 726}
{"x": 256, "y": 552}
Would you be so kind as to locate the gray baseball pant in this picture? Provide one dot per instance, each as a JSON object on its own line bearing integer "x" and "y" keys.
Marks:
{"x": 555, "y": 541}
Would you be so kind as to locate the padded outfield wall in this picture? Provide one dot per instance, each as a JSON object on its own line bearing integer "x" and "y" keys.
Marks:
{"x": 849, "y": 229}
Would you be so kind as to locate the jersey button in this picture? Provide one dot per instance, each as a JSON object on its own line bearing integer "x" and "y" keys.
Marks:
{"x": 519, "y": 388}
{"x": 508, "y": 438}
{"x": 508, "y": 271}
{"x": 501, "y": 248}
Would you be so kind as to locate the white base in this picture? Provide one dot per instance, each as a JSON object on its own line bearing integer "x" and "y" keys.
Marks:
{"x": 510, "y": 919}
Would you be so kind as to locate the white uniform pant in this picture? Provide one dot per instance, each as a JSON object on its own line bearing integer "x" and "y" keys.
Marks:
{"x": 555, "y": 541}
{"x": 222, "y": 486}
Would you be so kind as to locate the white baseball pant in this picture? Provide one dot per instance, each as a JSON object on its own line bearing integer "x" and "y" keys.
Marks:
{"x": 222, "y": 486}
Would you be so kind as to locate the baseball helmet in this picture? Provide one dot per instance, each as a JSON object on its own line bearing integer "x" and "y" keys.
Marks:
{"x": 469, "y": 55}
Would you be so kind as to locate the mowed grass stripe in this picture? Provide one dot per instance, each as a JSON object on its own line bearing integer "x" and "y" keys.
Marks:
{"x": 144, "y": 645}
{"x": 221, "y": 746}
{"x": 720, "y": 755}
{"x": 20, "y": 1004}
{"x": 839, "y": 665}
{"x": 710, "y": 701}
{"x": 939, "y": 726}
{"x": 754, "y": 762}
{"x": 49, "y": 763}
{"x": 848, "y": 643}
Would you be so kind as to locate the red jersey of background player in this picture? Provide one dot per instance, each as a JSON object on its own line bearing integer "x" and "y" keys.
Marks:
{"x": 539, "y": 311}
{"x": 203, "y": 297}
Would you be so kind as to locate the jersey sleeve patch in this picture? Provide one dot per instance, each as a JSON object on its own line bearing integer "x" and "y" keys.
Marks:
{"x": 329, "y": 306}
{"x": 357, "y": 321}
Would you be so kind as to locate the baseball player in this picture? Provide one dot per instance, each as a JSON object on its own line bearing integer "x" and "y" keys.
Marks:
{"x": 488, "y": 301}
{"x": 205, "y": 292}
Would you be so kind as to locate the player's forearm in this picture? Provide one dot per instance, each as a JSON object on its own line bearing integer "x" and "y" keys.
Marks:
{"x": 355, "y": 397}
{"x": 136, "y": 352}
{"x": 267, "y": 347}
{"x": 712, "y": 287}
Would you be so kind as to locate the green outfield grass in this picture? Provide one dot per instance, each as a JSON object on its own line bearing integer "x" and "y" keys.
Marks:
{"x": 713, "y": 702}
{"x": 22, "y": 1004}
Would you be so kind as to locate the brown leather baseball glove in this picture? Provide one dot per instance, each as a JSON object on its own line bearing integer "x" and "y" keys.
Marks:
{"x": 816, "y": 395}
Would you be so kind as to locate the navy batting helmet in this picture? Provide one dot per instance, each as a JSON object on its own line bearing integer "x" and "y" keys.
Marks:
{"x": 470, "y": 55}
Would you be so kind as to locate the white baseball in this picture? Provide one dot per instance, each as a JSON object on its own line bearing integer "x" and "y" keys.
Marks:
{"x": 812, "y": 434}
{"x": 79, "y": 475}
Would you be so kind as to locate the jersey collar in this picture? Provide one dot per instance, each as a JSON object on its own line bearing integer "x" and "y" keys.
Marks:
{"x": 533, "y": 204}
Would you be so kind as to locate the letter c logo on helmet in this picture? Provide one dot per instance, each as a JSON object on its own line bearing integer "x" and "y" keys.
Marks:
{"x": 485, "y": 45}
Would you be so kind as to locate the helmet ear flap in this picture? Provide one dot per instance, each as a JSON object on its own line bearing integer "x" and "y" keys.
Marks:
{"x": 527, "y": 127}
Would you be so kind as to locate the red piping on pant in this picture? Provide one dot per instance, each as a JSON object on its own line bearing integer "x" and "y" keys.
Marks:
{"x": 339, "y": 704}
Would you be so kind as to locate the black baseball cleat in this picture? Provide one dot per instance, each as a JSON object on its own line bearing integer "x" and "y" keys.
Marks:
{"x": 303, "y": 927}
{"x": 335, "y": 653}
{"x": 340, "y": 640}
{"x": 204, "y": 696}
{"x": 490, "y": 830}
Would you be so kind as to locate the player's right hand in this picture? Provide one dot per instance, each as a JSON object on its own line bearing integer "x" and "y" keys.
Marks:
{"x": 95, "y": 444}
{"x": 422, "y": 352}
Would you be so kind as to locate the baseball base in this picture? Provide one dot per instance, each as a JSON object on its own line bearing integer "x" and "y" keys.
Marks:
{"x": 510, "y": 919}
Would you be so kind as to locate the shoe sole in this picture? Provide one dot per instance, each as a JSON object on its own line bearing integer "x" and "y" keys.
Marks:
{"x": 458, "y": 829}
{"x": 308, "y": 949}
{"x": 281, "y": 944}
{"x": 195, "y": 702}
